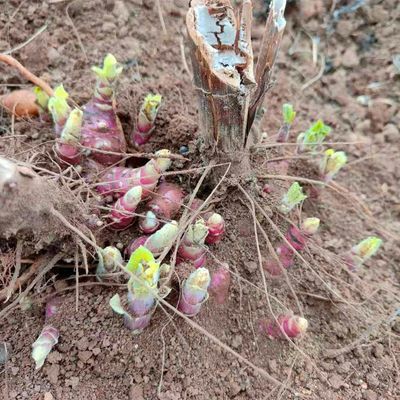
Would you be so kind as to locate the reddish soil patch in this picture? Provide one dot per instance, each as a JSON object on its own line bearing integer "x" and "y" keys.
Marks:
{"x": 357, "y": 93}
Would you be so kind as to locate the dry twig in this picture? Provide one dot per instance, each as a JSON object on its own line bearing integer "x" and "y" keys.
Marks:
{"x": 7, "y": 59}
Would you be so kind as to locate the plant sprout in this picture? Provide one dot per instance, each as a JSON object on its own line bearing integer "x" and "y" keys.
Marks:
{"x": 68, "y": 147}
{"x": 362, "y": 252}
{"x": 146, "y": 118}
{"x": 292, "y": 197}
{"x": 118, "y": 180}
{"x": 122, "y": 214}
{"x": 59, "y": 108}
{"x": 194, "y": 292}
{"x": 142, "y": 290}
{"x": 150, "y": 223}
{"x": 158, "y": 241}
{"x": 285, "y": 325}
{"x": 216, "y": 228}
{"x": 167, "y": 200}
{"x": 41, "y": 348}
{"x": 102, "y": 128}
{"x": 42, "y": 101}
{"x": 331, "y": 164}
{"x": 313, "y": 137}
{"x": 48, "y": 337}
{"x": 193, "y": 248}
{"x": 288, "y": 117}
{"x": 298, "y": 239}
{"x": 110, "y": 259}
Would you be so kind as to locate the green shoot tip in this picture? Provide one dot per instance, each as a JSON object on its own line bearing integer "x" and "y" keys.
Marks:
{"x": 292, "y": 197}
{"x": 288, "y": 114}
{"x": 111, "y": 69}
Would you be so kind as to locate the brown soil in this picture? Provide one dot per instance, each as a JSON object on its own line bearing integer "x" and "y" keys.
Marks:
{"x": 351, "y": 350}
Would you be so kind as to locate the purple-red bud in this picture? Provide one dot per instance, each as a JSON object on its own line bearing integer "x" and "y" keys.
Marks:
{"x": 149, "y": 224}
{"x": 167, "y": 200}
{"x": 216, "y": 228}
{"x": 285, "y": 325}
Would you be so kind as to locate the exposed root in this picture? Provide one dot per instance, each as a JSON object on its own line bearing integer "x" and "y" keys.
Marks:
{"x": 272, "y": 250}
{"x": 185, "y": 221}
{"x": 13, "y": 285}
{"x": 48, "y": 263}
{"x": 78, "y": 37}
{"x": 26, "y": 73}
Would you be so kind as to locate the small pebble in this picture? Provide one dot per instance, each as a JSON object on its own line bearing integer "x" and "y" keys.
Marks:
{"x": 84, "y": 356}
{"x": 251, "y": 267}
{"x": 96, "y": 351}
{"x": 370, "y": 395}
{"x": 234, "y": 389}
{"x": 237, "y": 341}
{"x": 4, "y": 352}
{"x": 344, "y": 368}
{"x": 336, "y": 381}
{"x": 391, "y": 133}
{"x": 378, "y": 350}
{"x": 372, "y": 380}
{"x": 184, "y": 150}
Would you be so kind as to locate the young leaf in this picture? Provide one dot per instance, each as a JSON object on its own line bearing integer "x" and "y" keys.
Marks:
{"x": 292, "y": 197}
{"x": 310, "y": 226}
{"x": 58, "y": 105}
{"x": 42, "y": 98}
{"x": 139, "y": 256}
{"x": 314, "y": 136}
{"x": 151, "y": 105}
{"x": 109, "y": 260}
{"x": 115, "y": 304}
{"x": 331, "y": 164}
{"x": 71, "y": 132}
{"x": 41, "y": 348}
{"x": 110, "y": 70}
{"x": 367, "y": 247}
{"x": 288, "y": 113}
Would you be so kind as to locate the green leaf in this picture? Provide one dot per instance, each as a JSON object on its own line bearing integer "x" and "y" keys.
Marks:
{"x": 151, "y": 105}
{"x": 293, "y": 197}
{"x": 288, "y": 113}
{"x": 310, "y": 225}
{"x": 71, "y": 132}
{"x": 42, "y": 98}
{"x": 314, "y": 136}
{"x": 58, "y": 105}
{"x": 111, "y": 69}
{"x": 139, "y": 256}
{"x": 332, "y": 162}
{"x": 115, "y": 303}
{"x": 367, "y": 247}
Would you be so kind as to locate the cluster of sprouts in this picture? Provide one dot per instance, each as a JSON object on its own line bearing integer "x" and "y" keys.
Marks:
{"x": 92, "y": 136}
{"x": 329, "y": 163}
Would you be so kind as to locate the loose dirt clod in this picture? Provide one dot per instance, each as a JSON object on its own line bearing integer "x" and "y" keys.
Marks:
{"x": 27, "y": 202}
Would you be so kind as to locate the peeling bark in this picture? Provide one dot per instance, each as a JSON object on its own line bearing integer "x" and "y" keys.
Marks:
{"x": 271, "y": 42}
{"x": 222, "y": 60}
{"x": 222, "y": 57}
